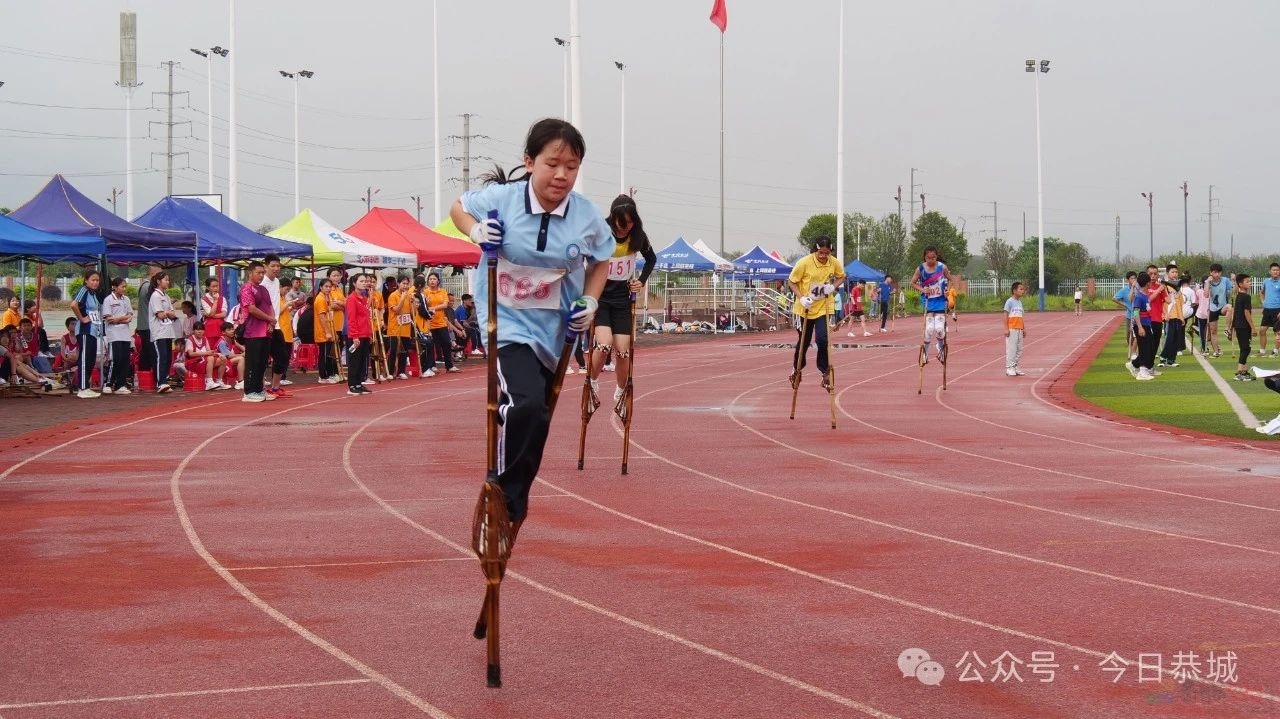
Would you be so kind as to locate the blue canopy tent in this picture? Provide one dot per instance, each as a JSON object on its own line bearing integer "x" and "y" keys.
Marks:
{"x": 64, "y": 210}
{"x": 218, "y": 237}
{"x": 859, "y": 271}
{"x": 680, "y": 256}
{"x": 19, "y": 241}
{"x": 760, "y": 265}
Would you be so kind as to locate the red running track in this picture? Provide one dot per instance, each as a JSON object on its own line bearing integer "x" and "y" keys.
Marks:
{"x": 311, "y": 558}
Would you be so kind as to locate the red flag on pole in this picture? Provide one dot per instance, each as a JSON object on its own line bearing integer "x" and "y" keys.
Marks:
{"x": 720, "y": 15}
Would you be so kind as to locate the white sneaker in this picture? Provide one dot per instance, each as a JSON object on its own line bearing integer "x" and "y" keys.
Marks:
{"x": 1144, "y": 375}
{"x": 123, "y": 390}
{"x": 286, "y": 382}
{"x": 402, "y": 375}
{"x": 4, "y": 382}
{"x": 455, "y": 369}
{"x": 223, "y": 385}
{"x": 866, "y": 334}
{"x": 1018, "y": 371}
{"x": 106, "y": 390}
{"x": 87, "y": 394}
{"x": 617, "y": 394}
{"x": 239, "y": 385}
{"x": 368, "y": 382}
{"x": 1133, "y": 357}
{"x": 884, "y": 330}
{"x": 853, "y": 334}
{"x": 253, "y": 398}
{"x": 428, "y": 373}
{"x": 570, "y": 370}
{"x": 1010, "y": 373}
{"x": 477, "y": 353}
{"x": 210, "y": 385}
{"x": 267, "y": 397}
{"x": 1132, "y": 370}
{"x": 608, "y": 367}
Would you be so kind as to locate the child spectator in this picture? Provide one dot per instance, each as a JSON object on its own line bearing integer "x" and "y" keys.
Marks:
{"x": 1015, "y": 330}
{"x": 233, "y": 355}
{"x": 31, "y": 311}
{"x": 1242, "y": 325}
{"x": 1142, "y": 367}
{"x": 13, "y": 314}
{"x": 188, "y": 319}
{"x": 203, "y": 359}
{"x": 70, "y": 348}
{"x": 29, "y": 347}
{"x": 213, "y": 307}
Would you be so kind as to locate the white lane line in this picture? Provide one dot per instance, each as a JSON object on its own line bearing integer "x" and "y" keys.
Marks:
{"x": 270, "y": 567}
{"x": 1237, "y": 405}
{"x": 171, "y": 695}
{"x": 583, "y": 604}
{"x": 175, "y": 490}
{"x": 880, "y": 595}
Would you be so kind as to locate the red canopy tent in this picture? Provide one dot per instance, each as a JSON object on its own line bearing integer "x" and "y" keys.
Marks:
{"x": 397, "y": 230}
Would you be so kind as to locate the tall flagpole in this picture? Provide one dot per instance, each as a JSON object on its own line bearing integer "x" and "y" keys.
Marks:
{"x": 233, "y": 182}
{"x": 721, "y": 143}
{"x": 435, "y": 122}
{"x": 840, "y": 144}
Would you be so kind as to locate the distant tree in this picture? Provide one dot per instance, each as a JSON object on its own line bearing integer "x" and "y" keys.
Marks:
{"x": 1025, "y": 264}
{"x": 820, "y": 225}
{"x": 733, "y": 254}
{"x": 5, "y": 210}
{"x": 886, "y": 249}
{"x": 933, "y": 228}
{"x": 265, "y": 227}
{"x": 999, "y": 257}
{"x": 1072, "y": 261}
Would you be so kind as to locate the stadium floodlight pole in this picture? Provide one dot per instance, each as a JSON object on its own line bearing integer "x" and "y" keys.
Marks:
{"x": 435, "y": 111}
{"x": 575, "y": 78}
{"x": 1043, "y": 68}
{"x": 297, "y": 172}
{"x": 208, "y": 68}
{"x": 233, "y": 177}
{"x": 1151, "y": 222}
{"x": 564, "y": 44}
{"x": 1186, "y": 241}
{"x": 622, "y": 129}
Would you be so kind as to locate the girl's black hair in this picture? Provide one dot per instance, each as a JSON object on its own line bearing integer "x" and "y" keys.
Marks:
{"x": 625, "y": 206}
{"x": 155, "y": 284}
{"x": 542, "y": 133}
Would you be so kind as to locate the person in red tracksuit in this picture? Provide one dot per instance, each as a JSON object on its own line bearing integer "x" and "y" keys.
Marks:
{"x": 359, "y": 331}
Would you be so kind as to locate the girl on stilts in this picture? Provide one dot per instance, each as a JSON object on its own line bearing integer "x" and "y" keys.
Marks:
{"x": 613, "y": 320}
{"x": 553, "y": 248}
{"x": 931, "y": 280}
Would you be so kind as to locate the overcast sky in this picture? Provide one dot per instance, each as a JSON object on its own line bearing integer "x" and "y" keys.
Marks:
{"x": 1141, "y": 96}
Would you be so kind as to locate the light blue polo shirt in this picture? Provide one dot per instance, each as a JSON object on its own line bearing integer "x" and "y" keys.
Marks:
{"x": 539, "y": 250}
{"x": 1270, "y": 294}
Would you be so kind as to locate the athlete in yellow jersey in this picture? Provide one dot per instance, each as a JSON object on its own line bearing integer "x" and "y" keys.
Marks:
{"x": 613, "y": 318}
{"x": 326, "y": 327}
{"x": 814, "y": 280}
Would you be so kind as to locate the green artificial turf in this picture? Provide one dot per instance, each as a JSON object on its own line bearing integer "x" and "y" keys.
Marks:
{"x": 1182, "y": 396}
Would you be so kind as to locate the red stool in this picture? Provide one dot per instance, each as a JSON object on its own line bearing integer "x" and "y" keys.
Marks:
{"x": 194, "y": 382}
{"x": 413, "y": 368}
{"x": 146, "y": 380}
{"x": 95, "y": 379}
{"x": 307, "y": 357}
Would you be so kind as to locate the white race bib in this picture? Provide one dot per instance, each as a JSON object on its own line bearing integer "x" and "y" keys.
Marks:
{"x": 529, "y": 288}
{"x": 404, "y": 320}
{"x": 622, "y": 269}
{"x": 933, "y": 291}
{"x": 94, "y": 317}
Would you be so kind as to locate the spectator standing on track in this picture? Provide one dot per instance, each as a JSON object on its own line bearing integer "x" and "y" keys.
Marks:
{"x": 147, "y": 354}
{"x": 1219, "y": 289}
{"x": 1242, "y": 325}
{"x": 360, "y": 334}
{"x": 422, "y": 320}
{"x": 326, "y": 334}
{"x": 1175, "y": 329}
{"x": 438, "y": 301}
{"x": 260, "y": 319}
{"x": 88, "y": 313}
{"x": 1143, "y": 366}
{"x": 1015, "y": 330}
{"x": 856, "y": 310}
{"x": 1078, "y": 297}
{"x": 1270, "y": 292}
{"x": 1124, "y": 298}
{"x": 885, "y": 289}
{"x": 279, "y": 347}
{"x": 164, "y": 329}
{"x": 400, "y": 328}
{"x": 117, "y": 313}
{"x": 1155, "y": 291}
{"x": 1202, "y": 314}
